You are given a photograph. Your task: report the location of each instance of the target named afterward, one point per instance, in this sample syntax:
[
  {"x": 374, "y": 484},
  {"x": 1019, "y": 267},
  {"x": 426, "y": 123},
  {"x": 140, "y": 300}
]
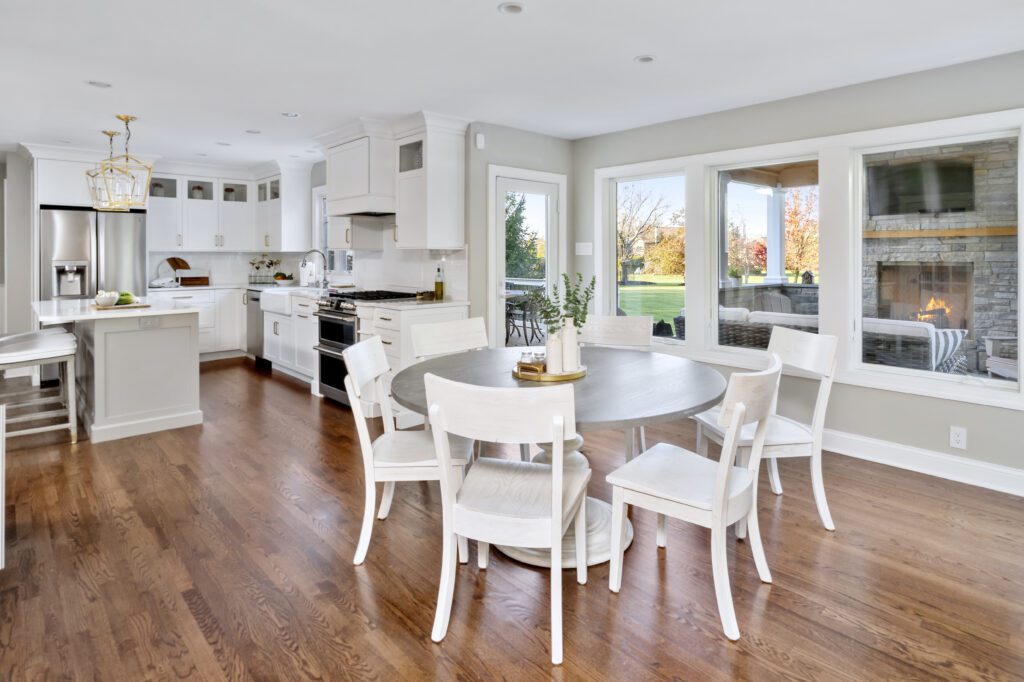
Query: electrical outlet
[{"x": 958, "y": 437}]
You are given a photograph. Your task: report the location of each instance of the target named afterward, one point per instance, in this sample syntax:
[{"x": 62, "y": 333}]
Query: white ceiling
[{"x": 198, "y": 72}]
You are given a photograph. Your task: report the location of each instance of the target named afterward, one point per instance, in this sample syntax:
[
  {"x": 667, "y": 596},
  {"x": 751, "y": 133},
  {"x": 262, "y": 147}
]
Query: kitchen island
[{"x": 137, "y": 368}]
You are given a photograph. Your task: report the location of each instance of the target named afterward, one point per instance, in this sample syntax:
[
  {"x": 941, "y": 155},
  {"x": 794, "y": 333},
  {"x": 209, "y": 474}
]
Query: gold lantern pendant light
[{"x": 119, "y": 183}]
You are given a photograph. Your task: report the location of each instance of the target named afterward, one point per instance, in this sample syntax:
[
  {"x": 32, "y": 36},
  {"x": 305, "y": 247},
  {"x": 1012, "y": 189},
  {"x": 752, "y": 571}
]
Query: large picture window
[
  {"x": 650, "y": 253},
  {"x": 768, "y": 271},
  {"x": 939, "y": 259}
]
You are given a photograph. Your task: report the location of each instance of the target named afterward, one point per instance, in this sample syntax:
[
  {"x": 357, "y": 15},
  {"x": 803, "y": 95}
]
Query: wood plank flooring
[{"x": 224, "y": 552}]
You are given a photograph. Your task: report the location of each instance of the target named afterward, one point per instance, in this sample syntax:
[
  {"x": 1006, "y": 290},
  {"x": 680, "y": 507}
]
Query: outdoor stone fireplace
[{"x": 966, "y": 261}]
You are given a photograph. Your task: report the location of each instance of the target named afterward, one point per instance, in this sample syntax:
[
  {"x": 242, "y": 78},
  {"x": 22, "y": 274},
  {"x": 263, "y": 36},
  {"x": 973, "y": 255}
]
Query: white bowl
[
  {"x": 107, "y": 298},
  {"x": 286, "y": 282}
]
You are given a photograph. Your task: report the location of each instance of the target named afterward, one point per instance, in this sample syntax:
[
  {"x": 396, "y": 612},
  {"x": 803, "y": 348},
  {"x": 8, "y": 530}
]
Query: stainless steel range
[{"x": 338, "y": 326}]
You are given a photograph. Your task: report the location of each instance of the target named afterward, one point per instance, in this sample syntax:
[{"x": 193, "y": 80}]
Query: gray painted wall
[
  {"x": 318, "y": 174},
  {"x": 994, "y": 435},
  {"x": 18, "y": 244},
  {"x": 503, "y": 147}
]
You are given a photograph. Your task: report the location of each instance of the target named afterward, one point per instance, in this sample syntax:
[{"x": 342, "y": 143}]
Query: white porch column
[{"x": 776, "y": 237}]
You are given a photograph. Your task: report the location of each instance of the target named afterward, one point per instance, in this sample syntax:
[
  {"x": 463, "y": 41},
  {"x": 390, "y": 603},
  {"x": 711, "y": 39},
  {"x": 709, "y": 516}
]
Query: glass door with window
[{"x": 527, "y": 258}]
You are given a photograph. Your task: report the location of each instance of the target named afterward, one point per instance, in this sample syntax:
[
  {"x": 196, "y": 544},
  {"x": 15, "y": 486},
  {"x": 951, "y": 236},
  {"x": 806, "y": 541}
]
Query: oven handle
[
  {"x": 335, "y": 317},
  {"x": 329, "y": 352}
]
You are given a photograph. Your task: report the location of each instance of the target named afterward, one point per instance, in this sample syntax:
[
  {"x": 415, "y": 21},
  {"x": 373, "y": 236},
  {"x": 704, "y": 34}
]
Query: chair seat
[
  {"x": 416, "y": 449},
  {"x": 678, "y": 475},
  {"x": 519, "y": 490},
  {"x": 780, "y": 431},
  {"x": 37, "y": 346}
]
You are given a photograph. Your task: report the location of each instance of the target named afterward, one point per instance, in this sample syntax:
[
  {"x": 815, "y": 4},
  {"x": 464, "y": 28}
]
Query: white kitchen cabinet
[
  {"x": 206, "y": 303},
  {"x": 201, "y": 215},
  {"x": 62, "y": 183},
  {"x": 430, "y": 186},
  {"x": 360, "y": 168},
  {"x": 279, "y": 339},
  {"x": 360, "y": 233},
  {"x": 236, "y": 227},
  {"x": 230, "y": 319},
  {"x": 164, "y": 214},
  {"x": 307, "y": 336},
  {"x": 283, "y": 211}
]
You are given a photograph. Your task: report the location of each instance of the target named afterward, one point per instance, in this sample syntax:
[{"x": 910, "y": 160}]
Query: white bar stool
[{"x": 46, "y": 347}]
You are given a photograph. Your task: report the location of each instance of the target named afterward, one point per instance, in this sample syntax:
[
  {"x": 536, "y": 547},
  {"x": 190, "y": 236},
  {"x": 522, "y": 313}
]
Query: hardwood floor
[{"x": 225, "y": 552}]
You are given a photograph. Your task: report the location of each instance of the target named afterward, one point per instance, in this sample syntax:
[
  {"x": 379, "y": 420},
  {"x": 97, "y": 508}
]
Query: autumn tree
[
  {"x": 524, "y": 256},
  {"x": 668, "y": 255},
  {"x": 639, "y": 211},
  {"x": 802, "y": 230}
]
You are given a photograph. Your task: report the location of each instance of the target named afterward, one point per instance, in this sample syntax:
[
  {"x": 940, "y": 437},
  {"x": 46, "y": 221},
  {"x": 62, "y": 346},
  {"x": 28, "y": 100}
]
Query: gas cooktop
[{"x": 376, "y": 295}]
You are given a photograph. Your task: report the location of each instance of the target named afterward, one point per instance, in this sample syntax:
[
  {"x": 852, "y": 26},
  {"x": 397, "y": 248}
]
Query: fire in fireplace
[{"x": 939, "y": 293}]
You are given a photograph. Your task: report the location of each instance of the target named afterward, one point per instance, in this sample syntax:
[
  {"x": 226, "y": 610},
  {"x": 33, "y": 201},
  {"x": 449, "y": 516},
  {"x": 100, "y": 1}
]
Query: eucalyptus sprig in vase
[{"x": 564, "y": 314}]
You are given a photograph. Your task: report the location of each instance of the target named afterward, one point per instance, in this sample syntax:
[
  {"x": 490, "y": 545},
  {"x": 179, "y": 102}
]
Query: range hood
[{"x": 360, "y": 169}]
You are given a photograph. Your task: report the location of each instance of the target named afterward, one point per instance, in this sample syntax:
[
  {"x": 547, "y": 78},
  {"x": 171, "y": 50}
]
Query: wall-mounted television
[{"x": 932, "y": 186}]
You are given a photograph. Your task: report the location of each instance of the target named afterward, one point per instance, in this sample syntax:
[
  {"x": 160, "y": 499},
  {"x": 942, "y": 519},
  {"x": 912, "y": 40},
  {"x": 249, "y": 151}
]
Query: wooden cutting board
[{"x": 126, "y": 306}]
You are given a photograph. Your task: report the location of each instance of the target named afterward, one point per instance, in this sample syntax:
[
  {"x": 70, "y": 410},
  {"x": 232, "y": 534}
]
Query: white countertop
[
  {"x": 83, "y": 310},
  {"x": 403, "y": 304}
]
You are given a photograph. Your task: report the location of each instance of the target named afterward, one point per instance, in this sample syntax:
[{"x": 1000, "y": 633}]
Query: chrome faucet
[{"x": 323, "y": 282}]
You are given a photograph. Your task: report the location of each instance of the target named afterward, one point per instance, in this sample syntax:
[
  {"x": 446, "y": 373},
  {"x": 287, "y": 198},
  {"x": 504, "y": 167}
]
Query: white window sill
[{"x": 973, "y": 390}]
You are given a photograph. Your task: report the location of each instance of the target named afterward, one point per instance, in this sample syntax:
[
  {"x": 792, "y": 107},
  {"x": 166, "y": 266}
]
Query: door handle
[
  {"x": 266, "y": 240},
  {"x": 305, "y": 317},
  {"x": 348, "y": 236},
  {"x": 245, "y": 298},
  {"x": 275, "y": 328},
  {"x": 394, "y": 234}
]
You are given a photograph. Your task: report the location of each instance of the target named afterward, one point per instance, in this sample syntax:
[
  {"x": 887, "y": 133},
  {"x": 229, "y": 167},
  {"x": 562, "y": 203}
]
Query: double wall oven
[{"x": 338, "y": 330}]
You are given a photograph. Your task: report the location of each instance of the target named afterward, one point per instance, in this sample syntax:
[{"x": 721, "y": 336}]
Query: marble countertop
[{"x": 83, "y": 310}]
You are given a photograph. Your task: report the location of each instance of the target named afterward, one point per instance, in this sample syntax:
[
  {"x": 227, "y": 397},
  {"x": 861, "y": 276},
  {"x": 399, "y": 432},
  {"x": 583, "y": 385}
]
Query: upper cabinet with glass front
[
  {"x": 430, "y": 188},
  {"x": 283, "y": 209},
  {"x": 163, "y": 214}
]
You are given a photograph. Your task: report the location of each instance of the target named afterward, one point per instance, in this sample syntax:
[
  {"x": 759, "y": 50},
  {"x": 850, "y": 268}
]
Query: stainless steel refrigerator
[{"x": 83, "y": 251}]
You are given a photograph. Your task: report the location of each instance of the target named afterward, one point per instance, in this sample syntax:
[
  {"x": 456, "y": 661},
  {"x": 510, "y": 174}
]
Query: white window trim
[{"x": 839, "y": 167}]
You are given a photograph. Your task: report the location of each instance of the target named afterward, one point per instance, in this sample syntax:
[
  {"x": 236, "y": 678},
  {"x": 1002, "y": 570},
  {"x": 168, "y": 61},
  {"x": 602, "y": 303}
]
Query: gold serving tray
[{"x": 544, "y": 376}]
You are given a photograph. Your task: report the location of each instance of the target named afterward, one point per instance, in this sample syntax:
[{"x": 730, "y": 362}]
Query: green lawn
[{"x": 661, "y": 301}]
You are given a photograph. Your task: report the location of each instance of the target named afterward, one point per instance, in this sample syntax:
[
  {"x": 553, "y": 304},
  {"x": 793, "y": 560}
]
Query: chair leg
[
  {"x": 773, "y": 476},
  {"x": 818, "y": 486},
  {"x": 756, "y": 548},
  {"x": 483, "y": 553},
  {"x": 385, "y": 500},
  {"x": 742, "y": 457},
  {"x": 661, "y": 538},
  {"x": 618, "y": 540},
  {"x": 72, "y": 398},
  {"x": 524, "y": 452},
  {"x": 581, "y": 543},
  {"x": 367, "y": 530},
  {"x": 463, "y": 544},
  {"x": 720, "y": 571},
  {"x": 446, "y": 588},
  {"x": 702, "y": 441},
  {"x": 556, "y": 602}
]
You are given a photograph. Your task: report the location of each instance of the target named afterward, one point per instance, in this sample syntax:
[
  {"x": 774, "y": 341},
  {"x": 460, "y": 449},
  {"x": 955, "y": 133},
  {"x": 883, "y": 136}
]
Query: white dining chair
[
  {"x": 505, "y": 502},
  {"x": 632, "y": 332},
  {"x": 805, "y": 355},
  {"x": 395, "y": 455},
  {"x": 48, "y": 346},
  {"x": 432, "y": 339},
  {"x": 675, "y": 482}
]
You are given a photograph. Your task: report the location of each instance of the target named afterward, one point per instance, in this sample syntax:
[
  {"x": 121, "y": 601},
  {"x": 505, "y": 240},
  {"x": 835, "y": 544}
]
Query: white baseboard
[
  {"x": 961, "y": 469},
  {"x": 101, "y": 434}
]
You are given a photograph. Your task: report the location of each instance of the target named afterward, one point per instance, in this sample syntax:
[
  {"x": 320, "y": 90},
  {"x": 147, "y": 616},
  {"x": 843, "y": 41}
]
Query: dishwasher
[{"x": 254, "y": 327}]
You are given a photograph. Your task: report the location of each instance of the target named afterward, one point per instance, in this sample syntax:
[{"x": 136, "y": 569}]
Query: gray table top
[{"x": 622, "y": 389}]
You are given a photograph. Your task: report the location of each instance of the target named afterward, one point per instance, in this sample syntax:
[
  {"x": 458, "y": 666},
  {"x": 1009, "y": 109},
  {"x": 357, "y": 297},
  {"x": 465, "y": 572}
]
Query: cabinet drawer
[
  {"x": 392, "y": 344},
  {"x": 385, "y": 319},
  {"x": 303, "y": 306}
]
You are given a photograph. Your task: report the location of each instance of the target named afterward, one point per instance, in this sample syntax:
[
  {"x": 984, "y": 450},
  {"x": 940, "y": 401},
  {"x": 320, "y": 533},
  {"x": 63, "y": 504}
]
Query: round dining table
[{"x": 622, "y": 390}]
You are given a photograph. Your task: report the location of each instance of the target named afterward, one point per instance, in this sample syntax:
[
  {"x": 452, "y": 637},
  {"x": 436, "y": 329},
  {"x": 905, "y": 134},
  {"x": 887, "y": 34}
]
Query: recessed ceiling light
[
  {"x": 291, "y": 114},
  {"x": 224, "y": 144},
  {"x": 253, "y": 131},
  {"x": 294, "y": 156},
  {"x": 98, "y": 84},
  {"x": 311, "y": 151},
  {"x": 511, "y": 8},
  {"x": 64, "y": 141},
  {"x": 644, "y": 59},
  {"x": 200, "y": 153}
]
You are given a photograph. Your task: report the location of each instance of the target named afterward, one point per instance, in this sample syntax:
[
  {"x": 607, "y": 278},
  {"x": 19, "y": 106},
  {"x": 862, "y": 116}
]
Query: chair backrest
[
  {"x": 545, "y": 414},
  {"x": 813, "y": 354},
  {"x": 367, "y": 367},
  {"x": 444, "y": 338},
  {"x": 804, "y": 351},
  {"x": 749, "y": 398},
  {"x": 628, "y": 331}
]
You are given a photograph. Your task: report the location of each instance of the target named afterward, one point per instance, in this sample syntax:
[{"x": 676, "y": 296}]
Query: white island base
[{"x": 138, "y": 370}]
